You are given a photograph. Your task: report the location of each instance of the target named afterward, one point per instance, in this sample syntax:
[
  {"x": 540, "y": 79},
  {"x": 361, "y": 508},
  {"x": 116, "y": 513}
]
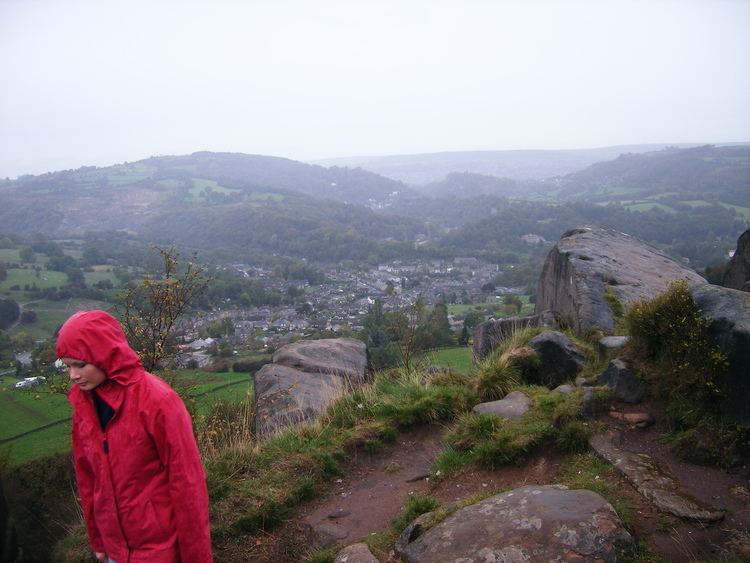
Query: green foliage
[
  {"x": 9, "y": 312},
  {"x": 416, "y": 505},
  {"x": 574, "y": 437},
  {"x": 670, "y": 333},
  {"x": 491, "y": 441},
  {"x": 496, "y": 377},
  {"x": 614, "y": 303}
]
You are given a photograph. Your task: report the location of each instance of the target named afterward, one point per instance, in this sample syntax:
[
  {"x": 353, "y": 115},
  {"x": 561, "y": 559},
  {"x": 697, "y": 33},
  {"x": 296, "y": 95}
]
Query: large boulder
[
  {"x": 588, "y": 263},
  {"x": 305, "y": 378},
  {"x": 533, "y": 523},
  {"x": 737, "y": 275},
  {"x": 345, "y": 357},
  {"x": 729, "y": 309},
  {"x": 559, "y": 359}
]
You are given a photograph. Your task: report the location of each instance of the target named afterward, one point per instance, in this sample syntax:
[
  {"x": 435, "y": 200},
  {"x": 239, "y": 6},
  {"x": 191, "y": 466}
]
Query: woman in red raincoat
[{"x": 139, "y": 473}]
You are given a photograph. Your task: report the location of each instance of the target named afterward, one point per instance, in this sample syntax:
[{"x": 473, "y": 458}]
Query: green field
[
  {"x": 266, "y": 196},
  {"x": 9, "y": 255},
  {"x": 23, "y": 277},
  {"x": 21, "y": 411},
  {"x": 495, "y": 307},
  {"x": 696, "y": 202},
  {"x": 648, "y": 206},
  {"x": 200, "y": 185},
  {"x": 457, "y": 358},
  {"x": 745, "y": 211},
  {"x": 51, "y": 314}
]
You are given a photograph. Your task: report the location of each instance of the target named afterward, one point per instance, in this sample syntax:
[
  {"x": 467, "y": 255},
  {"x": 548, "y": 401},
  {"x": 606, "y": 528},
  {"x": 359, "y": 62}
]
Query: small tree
[{"x": 150, "y": 309}]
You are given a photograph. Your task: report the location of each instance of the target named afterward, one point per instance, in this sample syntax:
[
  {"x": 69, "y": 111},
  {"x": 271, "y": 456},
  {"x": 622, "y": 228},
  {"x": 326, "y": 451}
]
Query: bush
[
  {"x": 670, "y": 334},
  {"x": 415, "y": 506}
]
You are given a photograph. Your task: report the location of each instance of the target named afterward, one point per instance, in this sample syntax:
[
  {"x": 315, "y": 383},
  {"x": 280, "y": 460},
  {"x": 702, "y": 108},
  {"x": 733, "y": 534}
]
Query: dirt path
[
  {"x": 375, "y": 487},
  {"x": 679, "y": 540}
]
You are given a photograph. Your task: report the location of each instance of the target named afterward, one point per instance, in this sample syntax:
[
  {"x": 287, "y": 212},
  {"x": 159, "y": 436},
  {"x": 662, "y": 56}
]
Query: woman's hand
[{"x": 100, "y": 556}]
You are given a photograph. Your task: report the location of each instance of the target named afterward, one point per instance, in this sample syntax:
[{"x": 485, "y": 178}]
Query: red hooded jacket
[{"x": 141, "y": 481}]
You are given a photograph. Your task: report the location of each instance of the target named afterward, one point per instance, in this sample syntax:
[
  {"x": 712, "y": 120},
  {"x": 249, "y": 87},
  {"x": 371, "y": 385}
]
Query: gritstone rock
[
  {"x": 355, "y": 553},
  {"x": 623, "y": 382},
  {"x": 534, "y": 523},
  {"x": 304, "y": 379},
  {"x": 587, "y": 262},
  {"x": 559, "y": 359},
  {"x": 729, "y": 309},
  {"x": 737, "y": 275},
  {"x": 513, "y": 406}
]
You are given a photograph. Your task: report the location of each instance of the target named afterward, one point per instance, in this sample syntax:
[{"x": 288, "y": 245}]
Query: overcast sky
[{"x": 101, "y": 82}]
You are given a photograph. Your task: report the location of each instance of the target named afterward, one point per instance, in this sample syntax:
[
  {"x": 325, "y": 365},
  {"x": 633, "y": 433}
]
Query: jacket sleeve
[
  {"x": 178, "y": 451},
  {"x": 85, "y": 480}
]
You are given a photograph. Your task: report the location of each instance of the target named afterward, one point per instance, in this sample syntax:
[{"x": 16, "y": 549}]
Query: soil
[{"x": 376, "y": 487}]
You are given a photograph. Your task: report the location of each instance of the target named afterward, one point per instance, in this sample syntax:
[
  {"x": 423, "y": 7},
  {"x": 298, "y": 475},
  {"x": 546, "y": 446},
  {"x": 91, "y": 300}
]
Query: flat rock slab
[
  {"x": 533, "y": 523},
  {"x": 653, "y": 482},
  {"x": 512, "y": 407},
  {"x": 345, "y": 357},
  {"x": 609, "y": 344}
]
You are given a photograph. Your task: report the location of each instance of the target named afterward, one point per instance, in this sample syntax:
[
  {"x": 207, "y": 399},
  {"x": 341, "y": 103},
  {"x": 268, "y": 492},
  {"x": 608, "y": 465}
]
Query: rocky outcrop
[
  {"x": 653, "y": 482},
  {"x": 534, "y": 523},
  {"x": 590, "y": 268},
  {"x": 737, "y": 275},
  {"x": 559, "y": 359},
  {"x": 489, "y": 334},
  {"x": 304, "y": 378},
  {"x": 729, "y": 309}
]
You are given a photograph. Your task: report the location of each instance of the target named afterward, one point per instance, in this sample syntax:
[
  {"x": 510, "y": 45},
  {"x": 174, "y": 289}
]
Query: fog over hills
[{"x": 426, "y": 168}]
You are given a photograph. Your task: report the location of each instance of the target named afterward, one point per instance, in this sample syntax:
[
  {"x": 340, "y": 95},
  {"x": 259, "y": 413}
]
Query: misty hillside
[
  {"x": 416, "y": 169},
  {"x": 694, "y": 176},
  {"x": 242, "y": 206}
]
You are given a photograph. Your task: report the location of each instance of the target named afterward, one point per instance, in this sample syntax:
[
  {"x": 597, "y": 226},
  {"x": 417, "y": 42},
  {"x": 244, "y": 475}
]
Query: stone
[
  {"x": 513, "y": 406},
  {"x": 566, "y": 389},
  {"x": 304, "y": 379},
  {"x": 737, "y": 275},
  {"x": 532, "y": 523},
  {"x": 588, "y": 262},
  {"x": 610, "y": 344},
  {"x": 588, "y": 406},
  {"x": 654, "y": 482},
  {"x": 624, "y": 384},
  {"x": 339, "y": 513},
  {"x": 639, "y": 419},
  {"x": 489, "y": 334},
  {"x": 559, "y": 359},
  {"x": 355, "y": 553},
  {"x": 729, "y": 309},
  {"x": 326, "y": 534},
  {"x": 345, "y": 357}
]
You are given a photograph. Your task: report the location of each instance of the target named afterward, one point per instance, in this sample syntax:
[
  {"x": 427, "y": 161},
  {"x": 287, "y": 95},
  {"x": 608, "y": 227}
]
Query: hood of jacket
[{"x": 96, "y": 337}]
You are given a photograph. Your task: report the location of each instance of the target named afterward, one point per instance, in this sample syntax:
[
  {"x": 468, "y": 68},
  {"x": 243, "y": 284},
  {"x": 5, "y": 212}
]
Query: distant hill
[
  {"x": 209, "y": 200},
  {"x": 694, "y": 176},
  {"x": 418, "y": 169}
]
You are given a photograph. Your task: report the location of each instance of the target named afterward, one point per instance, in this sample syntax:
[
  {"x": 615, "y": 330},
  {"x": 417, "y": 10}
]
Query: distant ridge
[{"x": 418, "y": 169}]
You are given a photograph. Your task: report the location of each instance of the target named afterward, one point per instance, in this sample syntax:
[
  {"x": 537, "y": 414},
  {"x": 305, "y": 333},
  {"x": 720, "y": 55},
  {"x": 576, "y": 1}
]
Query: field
[
  {"x": 495, "y": 307},
  {"x": 647, "y": 206},
  {"x": 199, "y": 186},
  {"x": 51, "y": 314},
  {"x": 457, "y": 358},
  {"x": 23, "y": 277},
  {"x": 21, "y": 411}
]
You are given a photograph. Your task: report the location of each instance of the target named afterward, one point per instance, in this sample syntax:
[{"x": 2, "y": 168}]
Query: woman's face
[{"x": 86, "y": 376}]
